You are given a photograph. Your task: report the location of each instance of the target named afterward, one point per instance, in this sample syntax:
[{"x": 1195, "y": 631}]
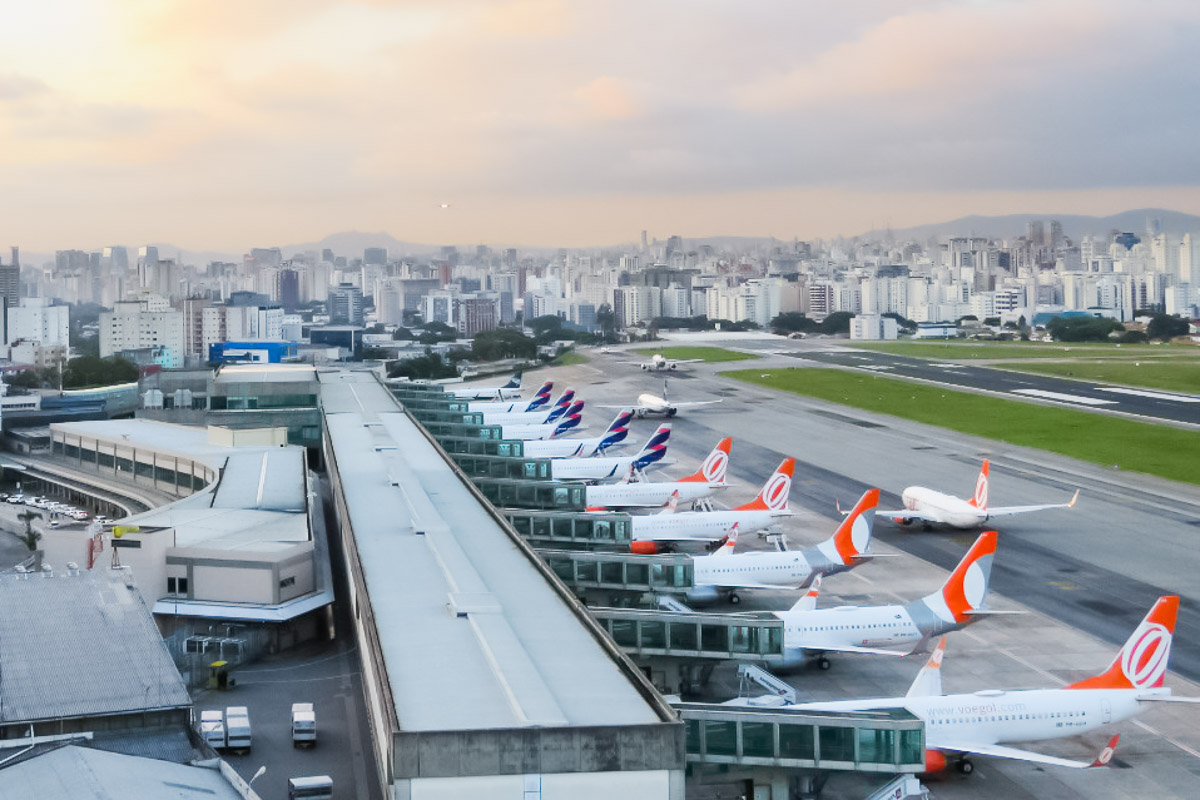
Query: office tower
[
  {"x": 288, "y": 289},
  {"x": 10, "y": 285},
  {"x": 375, "y": 255},
  {"x": 346, "y": 305}
]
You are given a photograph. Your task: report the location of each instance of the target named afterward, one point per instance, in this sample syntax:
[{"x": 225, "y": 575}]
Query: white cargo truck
[
  {"x": 304, "y": 725},
  {"x": 212, "y": 728},
  {"x": 237, "y": 728}
]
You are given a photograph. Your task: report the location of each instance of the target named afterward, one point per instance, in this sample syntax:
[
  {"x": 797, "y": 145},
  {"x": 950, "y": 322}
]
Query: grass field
[
  {"x": 1099, "y": 438},
  {"x": 1173, "y": 375},
  {"x": 711, "y": 354},
  {"x": 999, "y": 350},
  {"x": 569, "y": 359}
]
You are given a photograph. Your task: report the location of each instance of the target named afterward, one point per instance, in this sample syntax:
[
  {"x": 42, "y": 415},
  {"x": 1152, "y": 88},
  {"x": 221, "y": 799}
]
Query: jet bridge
[
  {"x": 425, "y": 416},
  {"x": 620, "y": 577},
  {"x": 482, "y": 447},
  {"x": 509, "y": 493},
  {"x": 485, "y": 466},
  {"x": 569, "y": 530},
  {"x": 441, "y": 430}
]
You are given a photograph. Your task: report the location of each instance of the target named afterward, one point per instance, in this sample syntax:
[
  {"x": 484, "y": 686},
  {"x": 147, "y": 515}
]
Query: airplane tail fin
[
  {"x": 655, "y": 447},
  {"x": 541, "y": 398},
  {"x": 928, "y": 682},
  {"x": 808, "y": 602},
  {"x": 514, "y": 382},
  {"x": 1142, "y": 662},
  {"x": 980, "y": 498},
  {"x": 965, "y": 590},
  {"x": 672, "y": 503},
  {"x": 572, "y": 420},
  {"x": 714, "y": 466},
  {"x": 853, "y": 536},
  {"x": 774, "y": 495},
  {"x": 562, "y": 405},
  {"x": 617, "y": 431},
  {"x": 730, "y": 544}
]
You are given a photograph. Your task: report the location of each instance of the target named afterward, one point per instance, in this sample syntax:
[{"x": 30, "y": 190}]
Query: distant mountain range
[{"x": 1076, "y": 226}]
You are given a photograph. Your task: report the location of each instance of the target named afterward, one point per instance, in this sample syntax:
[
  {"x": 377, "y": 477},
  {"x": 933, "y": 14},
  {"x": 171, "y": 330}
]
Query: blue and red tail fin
[
  {"x": 561, "y": 405},
  {"x": 617, "y": 431},
  {"x": 541, "y": 398},
  {"x": 513, "y": 383},
  {"x": 655, "y": 448},
  {"x": 572, "y": 420}
]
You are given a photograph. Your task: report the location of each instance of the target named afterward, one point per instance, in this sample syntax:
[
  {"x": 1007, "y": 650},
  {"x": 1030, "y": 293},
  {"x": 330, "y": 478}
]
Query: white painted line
[
  {"x": 1178, "y": 398},
  {"x": 1065, "y": 398}
]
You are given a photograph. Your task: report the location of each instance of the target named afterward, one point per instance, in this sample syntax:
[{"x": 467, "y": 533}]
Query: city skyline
[{"x": 545, "y": 123}]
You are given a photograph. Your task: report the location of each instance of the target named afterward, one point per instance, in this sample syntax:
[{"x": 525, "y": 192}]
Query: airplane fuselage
[
  {"x": 653, "y": 404},
  {"x": 700, "y": 526},
  {"x": 943, "y": 508},
  {"x": 828, "y": 628},
  {"x": 994, "y": 716},
  {"x": 487, "y": 393},
  {"x": 517, "y": 417},
  {"x": 648, "y": 495},
  {"x": 591, "y": 469},
  {"x": 529, "y": 432},
  {"x": 565, "y": 448}
]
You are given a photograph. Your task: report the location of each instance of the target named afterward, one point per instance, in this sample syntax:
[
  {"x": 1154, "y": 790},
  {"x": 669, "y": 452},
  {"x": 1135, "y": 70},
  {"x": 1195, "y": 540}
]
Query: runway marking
[
  {"x": 1064, "y": 398},
  {"x": 1162, "y": 735},
  {"x": 1178, "y": 398}
]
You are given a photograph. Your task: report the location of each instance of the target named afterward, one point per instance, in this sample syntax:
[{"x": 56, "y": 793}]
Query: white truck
[
  {"x": 304, "y": 725},
  {"x": 212, "y": 728},
  {"x": 237, "y": 728}
]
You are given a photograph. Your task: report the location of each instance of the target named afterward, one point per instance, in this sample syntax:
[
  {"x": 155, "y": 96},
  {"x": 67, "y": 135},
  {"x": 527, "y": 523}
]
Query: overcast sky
[{"x": 223, "y": 124}]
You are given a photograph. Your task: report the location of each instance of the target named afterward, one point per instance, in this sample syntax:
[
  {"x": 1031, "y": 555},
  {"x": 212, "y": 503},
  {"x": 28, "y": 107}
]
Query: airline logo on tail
[
  {"x": 561, "y": 406},
  {"x": 617, "y": 431},
  {"x": 966, "y": 588},
  {"x": 655, "y": 449},
  {"x": 1142, "y": 662},
  {"x": 730, "y": 542},
  {"x": 714, "y": 466},
  {"x": 541, "y": 398},
  {"x": 980, "y": 499},
  {"x": 513, "y": 383},
  {"x": 574, "y": 417},
  {"x": 774, "y": 496},
  {"x": 853, "y": 536}
]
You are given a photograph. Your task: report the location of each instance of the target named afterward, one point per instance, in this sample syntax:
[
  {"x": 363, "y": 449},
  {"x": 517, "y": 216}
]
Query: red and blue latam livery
[
  {"x": 546, "y": 430},
  {"x": 614, "y": 436},
  {"x": 605, "y": 467},
  {"x": 983, "y": 723},
  {"x": 660, "y": 532},
  {"x": 509, "y": 391},
  {"x": 540, "y": 399},
  {"x": 725, "y": 572},
  {"x": 872, "y": 630},
  {"x": 934, "y": 507},
  {"x": 647, "y": 494},
  {"x": 535, "y": 417}
]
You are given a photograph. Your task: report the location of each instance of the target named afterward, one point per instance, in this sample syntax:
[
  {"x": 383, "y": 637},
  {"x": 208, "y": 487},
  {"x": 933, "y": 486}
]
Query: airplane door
[{"x": 1105, "y": 711}]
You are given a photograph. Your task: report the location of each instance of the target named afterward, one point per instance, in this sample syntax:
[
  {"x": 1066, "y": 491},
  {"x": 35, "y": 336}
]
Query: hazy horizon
[{"x": 550, "y": 123}]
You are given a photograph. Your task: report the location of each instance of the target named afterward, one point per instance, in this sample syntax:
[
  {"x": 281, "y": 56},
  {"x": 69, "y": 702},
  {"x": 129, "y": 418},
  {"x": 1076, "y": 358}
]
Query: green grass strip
[
  {"x": 972, "y": 350},
  {"x": 569, "y": 359},
  {"x": 1103, "y": 439},
  {"x": 710, "y": 354},
  {"x": 1171, "y": 375}
]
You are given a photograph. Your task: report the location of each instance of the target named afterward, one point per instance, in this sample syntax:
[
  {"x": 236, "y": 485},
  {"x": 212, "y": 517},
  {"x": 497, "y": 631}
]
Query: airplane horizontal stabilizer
[
  {"x": 1168, "y": 698},
  {"x": 990, "y": 612}
]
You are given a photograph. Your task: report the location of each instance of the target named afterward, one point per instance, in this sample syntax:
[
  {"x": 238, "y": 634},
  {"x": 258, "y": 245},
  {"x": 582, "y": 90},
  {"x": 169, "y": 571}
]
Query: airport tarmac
[{"x": 1085, "y": 576}]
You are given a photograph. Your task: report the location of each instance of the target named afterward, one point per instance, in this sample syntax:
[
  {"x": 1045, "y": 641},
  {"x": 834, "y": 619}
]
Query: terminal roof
[{"x": 74, "y": 772}]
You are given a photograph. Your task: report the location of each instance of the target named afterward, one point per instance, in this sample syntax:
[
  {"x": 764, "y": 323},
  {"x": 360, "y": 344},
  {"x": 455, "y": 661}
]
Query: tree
[
  {"x": 96, "y": 371},
  {"x": 1165, "y": 326},
  {"x": 30, "y": 537},
  {"x": 427, "y": 367},
  {"x": 793, "y": 322},
  {"x": 546, "y": 328},
  {"x": 606, "y": 319},
  {"x": 837, "y": 322},
  {"x": 994, "y": 321},
  {"x": 501, "y": 343},
  {"x": 402, "y": 334},
  {"x": 27, "y": 379},
  {"x": 1083, "y": 329},
  {"x": 902, "y": 321},
  {"x": 1133, "y": 337}
]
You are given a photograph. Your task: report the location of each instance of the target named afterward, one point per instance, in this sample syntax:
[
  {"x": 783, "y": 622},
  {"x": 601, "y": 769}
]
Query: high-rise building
[
  {"x": 477, "y": 313},
  {"x": 144, "y": 324},
  {"x": 288, "y": 289},
  {"x": 36, "y": 321},
  {"x": 10, "y": 285},
  {"x": 346, "y": 305},
  {"x": 375, "y": 255}
]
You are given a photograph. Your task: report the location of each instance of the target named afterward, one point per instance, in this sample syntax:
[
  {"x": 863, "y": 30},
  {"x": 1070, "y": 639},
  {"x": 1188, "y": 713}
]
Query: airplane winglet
[
  {"x": 1105, "y": 756},
  {"x": 1074, "y": 500}
]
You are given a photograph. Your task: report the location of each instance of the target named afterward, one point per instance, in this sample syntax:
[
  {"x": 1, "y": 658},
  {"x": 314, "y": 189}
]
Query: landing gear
[
  {"x": 927, "y": 526},
  {"x": 735, "y": 598},
  {"x": 823, "y": 663},
  {"x": 965, "y": 766}
]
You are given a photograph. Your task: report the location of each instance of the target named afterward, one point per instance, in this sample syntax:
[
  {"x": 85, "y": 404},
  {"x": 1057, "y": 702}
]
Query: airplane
[
  {"x": 662, "y": 532},
  {"x": 645, "y": 494},
  {"x": 601, "y": 467},
  {"x": 614, "y": 436},
  {"x": 871, "y": 630},
  {"x": 509, "y": 391},
  {"x": 934, "y": 507},
  {"x": 648, "y": 404},
  {"x": 546, "y": 430},
  {"x": 539, "y": 399},
  {"x": 538, "y": 415},
  {"x": 984, "y": 722},
  {"x": 658, "y": 362},
  {"x": 724, "y": 572}
]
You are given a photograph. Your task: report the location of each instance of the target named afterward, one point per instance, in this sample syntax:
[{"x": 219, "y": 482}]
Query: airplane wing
[
  {"x": 1004, "y": 511},
  {"x": 1000, "y": 751},
  {"x": 849, "y": 648},
  {"x": 696, "y": 403}
]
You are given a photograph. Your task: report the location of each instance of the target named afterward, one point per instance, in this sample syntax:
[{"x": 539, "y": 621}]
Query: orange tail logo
[
  {"x": 980, "y": 500},
  {"x": 1142, "y": 662},
  {"x": 714, "y": 466},
  {"x": 853, "y": 536},
  {"x": 967, "y": 586},
  {"x": 774, "y": 496}
]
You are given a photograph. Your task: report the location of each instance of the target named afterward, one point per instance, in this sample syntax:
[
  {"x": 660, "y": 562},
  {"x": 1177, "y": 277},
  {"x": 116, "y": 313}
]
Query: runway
[{"x": 1093, "y": 571}]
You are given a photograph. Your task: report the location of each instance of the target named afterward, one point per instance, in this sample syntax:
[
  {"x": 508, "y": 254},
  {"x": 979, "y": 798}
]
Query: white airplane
[
  {"x": 724, "y": 572},
  {"x": 537, "y": 416},
  {"x": 645, "y": 494},
  {"x": 659, "y": 362},
  {"x": 549, "y": 430},
  {"x": 540, "y": 399},
  {"x": 661, "y": 532},
  {"x": 509, "y": 391},
  {"x": 648, "y": 404},
  {"x": 934, "y": 507},
  {"x": 871, "y": 630},
  {"x": 983, "y": 723},
  {"x": 613, "y": 436},
  {"x": 602, "y": 467}
]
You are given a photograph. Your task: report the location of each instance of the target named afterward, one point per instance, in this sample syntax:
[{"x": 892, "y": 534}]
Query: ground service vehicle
[
  {"x": 237, "y": 728},
  {"x": 304, "y": 725},
  {"x": 314, "y": 787},
  {"x": 212, "y": 728}
]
